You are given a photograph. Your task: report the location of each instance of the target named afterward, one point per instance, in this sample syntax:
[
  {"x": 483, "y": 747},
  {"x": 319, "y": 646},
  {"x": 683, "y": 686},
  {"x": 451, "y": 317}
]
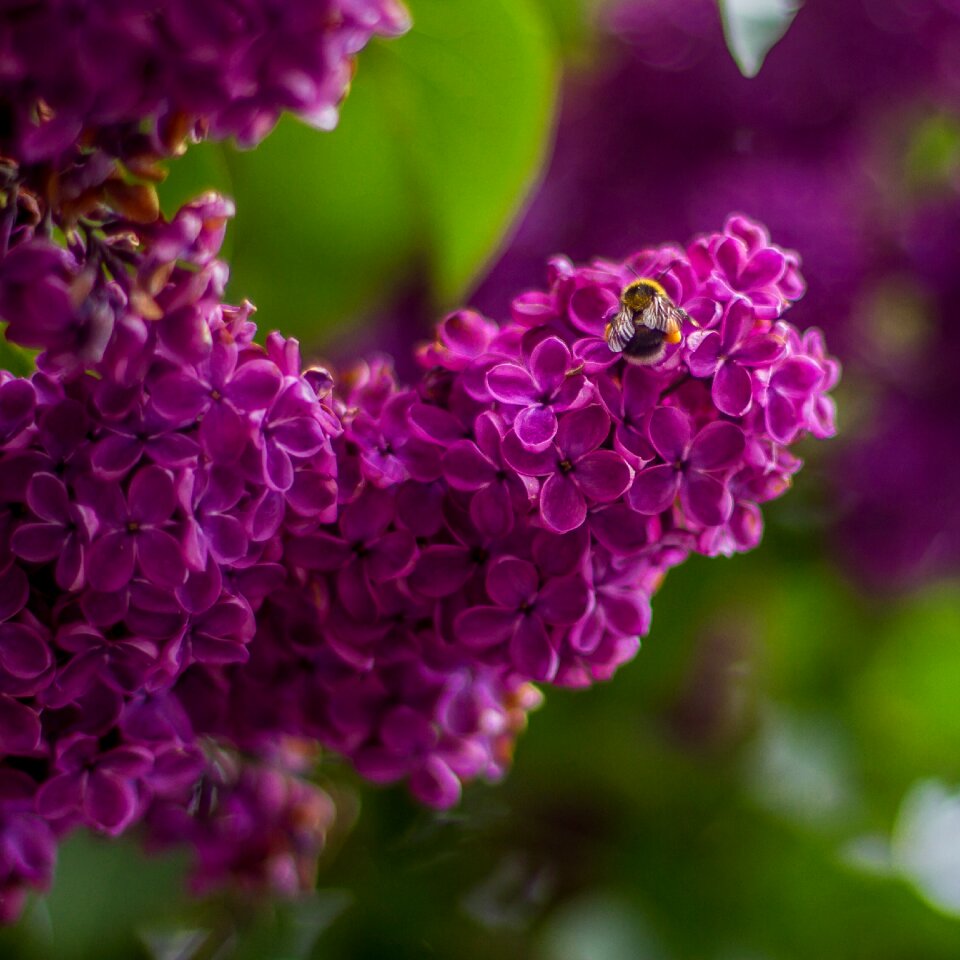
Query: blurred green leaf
[
  {"x": 105, "y": 889},
  {"x": 752, "y": 27},
  {"x": 905, "y": 700},
  {"x": 15, "y": 359},
  {"x": 933, "y": 153},
  {"x": 440, "y": 140}
]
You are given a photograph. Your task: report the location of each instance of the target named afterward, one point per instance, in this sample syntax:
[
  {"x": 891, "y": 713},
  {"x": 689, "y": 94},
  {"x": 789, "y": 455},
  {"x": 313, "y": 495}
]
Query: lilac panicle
[
  {"x": 149, "y": 472},
  {"x": 144, "y": 75},
  {"x": 210, "y": 555},
  {"x": 507, "y": 519}
]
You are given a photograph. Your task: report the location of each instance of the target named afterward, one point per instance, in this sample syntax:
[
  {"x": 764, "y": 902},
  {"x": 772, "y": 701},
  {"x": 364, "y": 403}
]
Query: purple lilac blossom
[
  {"x": 143, "y": 519},
  {"x": 209, "y": 551},
  {"x": 146, "y": 74},
  {"x": 818, "y": 146}
]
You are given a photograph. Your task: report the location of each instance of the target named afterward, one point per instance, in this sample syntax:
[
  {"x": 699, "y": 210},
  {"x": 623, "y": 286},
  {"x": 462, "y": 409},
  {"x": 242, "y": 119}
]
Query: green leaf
[
  {"x": 439, "y": 142},
  {"x": 15, "y": 359},
  {"x": 752, "y": 27}
]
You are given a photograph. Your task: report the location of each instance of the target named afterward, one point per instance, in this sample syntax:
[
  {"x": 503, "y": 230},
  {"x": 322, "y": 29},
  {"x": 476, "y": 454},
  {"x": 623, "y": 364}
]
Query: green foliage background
[{"x": 711, "y": 801}]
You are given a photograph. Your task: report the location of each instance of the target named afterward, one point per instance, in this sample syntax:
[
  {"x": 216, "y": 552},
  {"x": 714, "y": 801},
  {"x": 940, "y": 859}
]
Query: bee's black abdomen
[{"x": 646, "y": 346}]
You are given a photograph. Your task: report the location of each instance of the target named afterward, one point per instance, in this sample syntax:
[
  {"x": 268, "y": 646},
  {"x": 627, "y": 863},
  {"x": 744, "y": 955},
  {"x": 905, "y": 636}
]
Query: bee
[{"x": 646, "y": 322}]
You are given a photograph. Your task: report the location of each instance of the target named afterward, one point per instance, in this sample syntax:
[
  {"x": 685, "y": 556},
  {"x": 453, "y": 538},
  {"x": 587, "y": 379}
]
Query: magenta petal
[
  {"x": 441, "y": 570},
  {"x": 179, "y": 397},
  {"x": 737, "y": 323},
  {"x": 603, "y": 475},
  {"x": 536, "y": 426},
  {"x": 717, "y": 446},
  {"x": 588, "y": 307},
  {"x": 510, "y": 383},
  {"x": 641, "y": 389},
  {"x": 562, "y": 505},
  {"x": 110, "y": 562},
  {"x": 483, "y": 627},
  {"x": 492, "y": 511},
  {"x": 705, "y": 499},
  {"x": 22, "y": 653},
  {"x": 782, "y": 418},
  {"x": 760, "y": 351},
  {"x": 763, "y": 268},
  {"x": 627, "y": 613},
  {"x": 654, "y": 489},
  {"x": 69, "y": 569},
  {"x": 732, "y": 390},
  {"x": 38, "y": 542},
  {"x": 152, "y": 497},
  {"x": 19, "y": 727},
  {"x": 223, "y": 433},
  {"x": 669, "y": 431},
  {"x": 47, "y": 497},
  {"x": 391, "y": 556},
  {"x": 109, "y": 802},
  {"x": 115, "y": 454},
  {"x": 60, "y": 795},
  {"x": 301, "y": 436},
  {"x": 465, "y": 467},
  {"x": 226, "y": 537},
  {"x": 594, "y": 354},
  {"x": 549, "y": 362},
  {"x": 583, "y": 430},
  {"x": 435, "y": 784},
  {"x": 564, "y": 600},
  {"x": 254, "y": 386},
  {"x": 512, "y": 582},
  {"x": 161, "y": 558},
  {"x": 531, "y": 652},
  {"x": 797, "y": 377},
  {"x": 14, "y": 590},
  {"x": 705, "y": 352},
  {"x": 277, "y": 466},
  {"x": 528, "y": 462},
  {"x": 435, "y": 424},
  {"x": 201, "y": 589},
  {"x": 620, "y": 529}
]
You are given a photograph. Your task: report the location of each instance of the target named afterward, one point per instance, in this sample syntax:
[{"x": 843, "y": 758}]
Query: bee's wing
[
  {"x": 665, "y": 316},
  {"x": 620, "y": 330}
]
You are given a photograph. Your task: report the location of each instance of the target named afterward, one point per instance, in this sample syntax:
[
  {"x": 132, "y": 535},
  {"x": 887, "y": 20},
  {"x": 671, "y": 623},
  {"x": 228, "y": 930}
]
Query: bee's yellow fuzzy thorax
[{"x": 638, "y": 293}]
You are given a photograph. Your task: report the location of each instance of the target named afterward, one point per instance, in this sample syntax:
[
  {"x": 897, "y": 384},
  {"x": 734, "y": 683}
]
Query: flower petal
[
  {"x": 562, "y": 505},
  {"x": 536, "y": 426},
  {"x": 669, "y": 431},
  {"x": 732, "y": 390},
  {"x": 602, "y": 475},
  {"x": 531, "y": 652},
  {"x": 582, "y": 431},
  {"x": 512, "y": 582},
  {"x": 482, "y": 627},
  {"x": 654, "y": 489},
  {"x": 705, "y": 499},
  {"x": 510, "y": 383}
]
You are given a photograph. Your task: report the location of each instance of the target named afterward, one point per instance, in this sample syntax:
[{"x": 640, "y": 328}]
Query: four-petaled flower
[
  {"x": 575, "y": 469},
  {"x": 690, "y": 467}
]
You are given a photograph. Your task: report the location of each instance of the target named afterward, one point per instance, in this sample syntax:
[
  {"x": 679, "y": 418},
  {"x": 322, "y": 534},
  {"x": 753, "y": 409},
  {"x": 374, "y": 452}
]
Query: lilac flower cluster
[
  {"x": 507, "y": 520},
  {"x": 148, "y": 472},
  {"x": 207, "y": 554},
  {"x": 144, "y": 75}
]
